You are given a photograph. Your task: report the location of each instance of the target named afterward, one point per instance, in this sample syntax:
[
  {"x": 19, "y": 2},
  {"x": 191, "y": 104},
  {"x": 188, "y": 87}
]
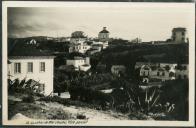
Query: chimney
[{"x": 104, "y": 28}]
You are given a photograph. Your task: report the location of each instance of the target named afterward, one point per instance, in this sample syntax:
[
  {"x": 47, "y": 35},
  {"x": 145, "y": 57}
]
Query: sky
[{"x": 150, "y": 23}]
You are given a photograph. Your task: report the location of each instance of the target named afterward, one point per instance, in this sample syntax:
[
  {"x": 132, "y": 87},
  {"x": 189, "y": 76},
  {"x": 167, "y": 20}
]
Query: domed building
[
  {"x": 104, "y": 35},
  {"x": 78, "y": 42},
  {"x": 78, "y": 37}
]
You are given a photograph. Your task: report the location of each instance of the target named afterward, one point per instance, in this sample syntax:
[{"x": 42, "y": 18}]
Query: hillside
[{"x": 18, "y": 109}]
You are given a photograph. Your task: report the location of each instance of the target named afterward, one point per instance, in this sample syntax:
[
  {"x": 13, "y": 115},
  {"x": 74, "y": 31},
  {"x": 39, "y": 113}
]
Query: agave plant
[{"x": 150, "y": 100}]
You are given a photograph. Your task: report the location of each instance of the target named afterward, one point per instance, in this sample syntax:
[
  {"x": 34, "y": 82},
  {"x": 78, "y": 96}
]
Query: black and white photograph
[{"x": 82, "y": 63}]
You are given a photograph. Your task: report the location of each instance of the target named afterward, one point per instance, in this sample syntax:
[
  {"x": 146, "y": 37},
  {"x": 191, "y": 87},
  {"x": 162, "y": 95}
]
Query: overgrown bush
[
  {"x": 80, "y": 116},
  {"x": 28, "y": 99},
  {"x": 58, "y": 114},
  {"x": 24, "y": 86},
  {"x": 88, "y": 95},
  {"x": 54, "y": 99},
  {"x": 176, "y": 92}
]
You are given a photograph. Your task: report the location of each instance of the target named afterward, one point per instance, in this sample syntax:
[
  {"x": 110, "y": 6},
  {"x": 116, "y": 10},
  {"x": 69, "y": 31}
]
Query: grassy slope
[{"x": 54, "y": 110}]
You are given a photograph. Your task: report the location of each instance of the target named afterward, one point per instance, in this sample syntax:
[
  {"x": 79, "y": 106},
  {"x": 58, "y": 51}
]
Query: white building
[
  {"x": 179, "y": 35},
  {"x": 80, "y": 63},
  {"x": 25, "y": 61}
]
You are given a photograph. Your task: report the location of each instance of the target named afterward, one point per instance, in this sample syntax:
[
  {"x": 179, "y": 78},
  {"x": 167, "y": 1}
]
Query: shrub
[
  {"x": 23, "y": 86},
  {"x": 28, "y": 99},
  {"x": 88, "y": 95},
  {"x": 54, "y": 99},
  {"x": 81, "y": 116},
  {"x": 176, "y": 92},
  {"x": 147, "y": 102},
  {"x": 58, "y": 114}
]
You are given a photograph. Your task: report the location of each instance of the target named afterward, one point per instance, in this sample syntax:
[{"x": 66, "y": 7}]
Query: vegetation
[
  {"x": 176, "y": 92},
  {"x": 170, "y": 102}
]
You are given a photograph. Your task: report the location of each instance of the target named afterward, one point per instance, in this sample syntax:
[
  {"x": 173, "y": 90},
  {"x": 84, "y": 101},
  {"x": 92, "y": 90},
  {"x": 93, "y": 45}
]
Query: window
[
  {"x": 182, "y": 39},
  {"x": 143, "y": 73},
  {"x": 183, "y": 33},
  {"x": 158, "y": 73},
  {"x": 163, "y": 73},
  {"x": 29, "y": 67},
  {"x": 17, "y": 68},
  {"x": 41, "y": 88},
  {"x": 42, "y": 66}
]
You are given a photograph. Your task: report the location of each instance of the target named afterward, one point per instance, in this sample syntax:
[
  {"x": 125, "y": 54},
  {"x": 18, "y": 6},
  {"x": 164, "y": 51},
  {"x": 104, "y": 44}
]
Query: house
[
  {"x": 118, "y": 69},
  {"x": 26, "y": 61},
  {"x": 162, "y": 71},
  {"x": 80, "y": 63},
  {"x": 179, "y": 35}
]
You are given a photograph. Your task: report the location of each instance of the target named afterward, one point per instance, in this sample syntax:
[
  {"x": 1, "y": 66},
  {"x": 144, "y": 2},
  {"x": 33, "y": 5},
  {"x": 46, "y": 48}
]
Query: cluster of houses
[
  {"x": 80, "y": 43},
  {"x": 150, "y": 71},
  {"x": 162, "y": 71},
  {"x": 26, "y": 61}
]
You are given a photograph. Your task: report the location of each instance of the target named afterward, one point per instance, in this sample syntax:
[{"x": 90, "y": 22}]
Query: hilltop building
[
  {"x": 26, "y": 61},
  {"x": 179, "y": 35},
  {"x": 103, "y": 35},
  {"x": 78, "y": 42},
  {"x": 78, "y": 37}
]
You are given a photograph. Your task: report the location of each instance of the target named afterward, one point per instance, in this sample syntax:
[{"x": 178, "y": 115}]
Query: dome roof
[
  {"x": 78, "y": 34},
  {"x": 104, "y": 30}
]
